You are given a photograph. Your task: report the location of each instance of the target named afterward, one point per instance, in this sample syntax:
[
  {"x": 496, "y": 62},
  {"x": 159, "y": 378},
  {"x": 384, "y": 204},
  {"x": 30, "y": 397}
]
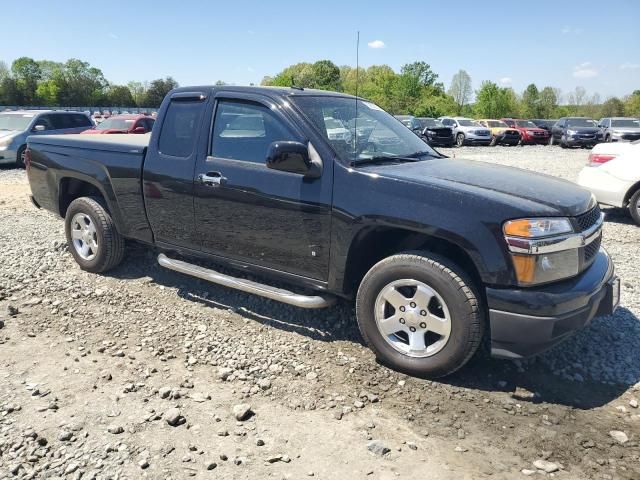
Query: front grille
[
  {"x": 589, "y": 219},
  {"x": 540, "y": 134},
  {"x": 591, "y": 249}
]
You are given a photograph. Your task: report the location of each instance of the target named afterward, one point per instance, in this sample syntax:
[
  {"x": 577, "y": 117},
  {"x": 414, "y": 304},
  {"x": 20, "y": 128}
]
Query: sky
[{"x": 564, "y": 44}]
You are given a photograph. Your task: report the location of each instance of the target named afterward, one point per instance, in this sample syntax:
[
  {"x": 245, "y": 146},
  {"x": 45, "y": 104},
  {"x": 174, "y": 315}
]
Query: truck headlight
[
  {"x": 537, "y": 227},
  {"x": 572, "y": 132},
  {"x": 542, "y": 250}
]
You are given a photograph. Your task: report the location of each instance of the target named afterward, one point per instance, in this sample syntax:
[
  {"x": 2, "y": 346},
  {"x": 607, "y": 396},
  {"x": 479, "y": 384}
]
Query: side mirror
[
  {"x": 39, "y": 128},
  {"x": 139, "y": 130},
  {"x": 293, "y": 157}
]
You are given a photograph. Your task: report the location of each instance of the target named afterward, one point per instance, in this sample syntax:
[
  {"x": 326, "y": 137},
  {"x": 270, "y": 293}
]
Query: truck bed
[{"x": 110, "y": 163}]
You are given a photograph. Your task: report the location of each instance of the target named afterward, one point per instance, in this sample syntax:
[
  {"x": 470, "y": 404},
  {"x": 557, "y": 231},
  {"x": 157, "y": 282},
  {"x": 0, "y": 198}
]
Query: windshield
[
  {"x": 525, "y": 124},
  {"x": 374, "y": 134},
  {"x": 12, "y": 121},
  {"x": 116, "y": 124},
  {"x": 580, "y": 122},
  {"x": 627, "y": 122},
  {"x": 496, "y": 124},
  {"x": 430, "y": 122},
  {"x": 469, "y": 123}
]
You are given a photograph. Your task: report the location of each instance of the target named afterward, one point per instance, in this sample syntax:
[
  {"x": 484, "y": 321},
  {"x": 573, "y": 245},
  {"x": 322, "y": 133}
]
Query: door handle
[{"x": 212, "y": 179}]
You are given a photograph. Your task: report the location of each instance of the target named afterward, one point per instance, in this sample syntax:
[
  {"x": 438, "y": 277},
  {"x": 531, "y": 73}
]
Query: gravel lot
[{"x": 144, "y": 373}]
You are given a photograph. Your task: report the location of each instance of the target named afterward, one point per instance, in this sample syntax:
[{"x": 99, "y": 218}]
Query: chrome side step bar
[{"x": 278, "y": 294}]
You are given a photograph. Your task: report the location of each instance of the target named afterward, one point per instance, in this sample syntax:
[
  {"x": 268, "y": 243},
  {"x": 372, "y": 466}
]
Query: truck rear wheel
[
  {"x": 91, "y": 234},
  {"x": 420, "y": 314}
]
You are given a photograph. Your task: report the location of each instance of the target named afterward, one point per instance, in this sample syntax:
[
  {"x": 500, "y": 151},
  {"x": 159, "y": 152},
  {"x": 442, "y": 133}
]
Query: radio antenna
[{"x": 355, "y": 122}]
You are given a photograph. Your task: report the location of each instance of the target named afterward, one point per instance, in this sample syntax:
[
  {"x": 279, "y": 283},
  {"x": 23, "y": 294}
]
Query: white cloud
[
  {"x": 585, "y": 70},
  {"x": 629, "y": 66},
  {"x": 505, "y": 81},
  {"x": 113, "y": 35},
  {"x": 376, "y": 44},
  {"x": 566, "y": 30}
]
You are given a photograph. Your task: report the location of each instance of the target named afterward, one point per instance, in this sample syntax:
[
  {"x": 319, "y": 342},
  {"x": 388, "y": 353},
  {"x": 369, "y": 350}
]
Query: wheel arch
[
  {"x": 73, "y": 187},
  {"x": 372, "y": 244},
  {"x": 630, "y": 193}
]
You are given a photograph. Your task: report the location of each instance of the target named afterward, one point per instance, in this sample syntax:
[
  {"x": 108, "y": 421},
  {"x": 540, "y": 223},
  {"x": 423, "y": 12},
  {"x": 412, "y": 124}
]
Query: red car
[
  {"x": 123, "y": 124},
  {"x": 530, "y": 134}
]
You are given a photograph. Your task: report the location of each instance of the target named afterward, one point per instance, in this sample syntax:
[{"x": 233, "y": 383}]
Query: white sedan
[{"x": 613, "y": 175}]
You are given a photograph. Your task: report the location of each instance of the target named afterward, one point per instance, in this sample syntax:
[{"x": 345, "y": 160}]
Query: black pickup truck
[{"x": 438, "y": 253}]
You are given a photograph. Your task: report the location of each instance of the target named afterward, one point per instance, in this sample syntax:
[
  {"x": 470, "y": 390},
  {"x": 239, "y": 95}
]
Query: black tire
[
  {"x": 607, "y": 139},
  {"x": 551, "y": 140},
  {"x": 563, "y": 144},
  {"x": 20, "y": 156},
  {"x": 110, "y": 244},
  {"x": 460, "y": 140},
  {"x": 494, "y": 141},
  {"x": 634, "y": 207},
  {"x": 459, "y": 295}
]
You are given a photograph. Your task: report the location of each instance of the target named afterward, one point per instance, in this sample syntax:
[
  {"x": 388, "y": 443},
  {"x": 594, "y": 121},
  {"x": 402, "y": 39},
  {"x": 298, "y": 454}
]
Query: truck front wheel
[
  {"x": 91, "y": 234},
  {"x": 420, "y": 314}
]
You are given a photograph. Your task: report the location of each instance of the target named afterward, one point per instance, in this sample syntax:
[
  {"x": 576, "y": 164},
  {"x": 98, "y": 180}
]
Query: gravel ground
[{"x": 144, "y": 373}]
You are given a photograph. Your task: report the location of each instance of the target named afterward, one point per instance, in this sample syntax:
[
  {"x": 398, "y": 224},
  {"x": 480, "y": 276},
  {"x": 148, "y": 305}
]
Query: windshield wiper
[{"x": 412, "y": 157}]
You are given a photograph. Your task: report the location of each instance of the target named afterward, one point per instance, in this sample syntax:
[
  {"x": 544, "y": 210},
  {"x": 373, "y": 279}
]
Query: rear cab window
[{"x": 180, "y": 127}]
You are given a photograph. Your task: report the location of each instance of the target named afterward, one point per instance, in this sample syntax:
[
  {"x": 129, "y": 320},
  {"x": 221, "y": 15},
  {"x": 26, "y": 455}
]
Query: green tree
[
  {"x": 531, "y": 101},
  {"x": 548, "y": 102},
  {"x": 80, "y": 84},
  {"x": 493, "y": 101},
  {"x": 422, "y": 72},
  {"x": 137, "y": 90},
  {"x": 120, "y": 96},
  {"x": 48, "y": 93},
  {"x": 632, "y": 104},
  {"x": 10, "y": 93},
  {"x": 27, "y": 74},
  {"x": 326, "y": 75},
  {"x": 4, "y": 71},
  {"x": 157, "y": 90},
  {"x": 300, "y": 75},
  {"x": 461, "y": 90},
  {"x": 612, "y": 107}
]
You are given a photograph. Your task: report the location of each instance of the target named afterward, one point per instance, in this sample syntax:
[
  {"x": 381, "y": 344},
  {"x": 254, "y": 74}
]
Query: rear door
[
  {"x": 168, "y": 171},
  {"x": 254, "y": 214}
]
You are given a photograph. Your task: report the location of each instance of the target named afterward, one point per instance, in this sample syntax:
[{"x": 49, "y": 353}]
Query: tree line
[
  {"x": 415, "y": 90},
  {"x": 28, "y": 82}
]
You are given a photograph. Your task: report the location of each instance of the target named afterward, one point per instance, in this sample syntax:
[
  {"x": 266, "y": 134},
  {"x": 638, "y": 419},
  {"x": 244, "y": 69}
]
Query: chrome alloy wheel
[
  {"x": 84, "y": 236},
  {"x": 413, "y": 318}
]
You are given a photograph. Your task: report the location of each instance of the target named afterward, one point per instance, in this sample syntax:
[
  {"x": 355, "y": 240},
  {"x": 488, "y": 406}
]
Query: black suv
[{"x": 575, "y": 132}]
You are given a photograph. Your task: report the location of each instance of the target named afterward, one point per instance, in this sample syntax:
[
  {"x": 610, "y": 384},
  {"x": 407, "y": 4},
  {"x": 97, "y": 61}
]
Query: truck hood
[
  {"x": 538, "y": 193},
  {"x": 8, "y": 133}
]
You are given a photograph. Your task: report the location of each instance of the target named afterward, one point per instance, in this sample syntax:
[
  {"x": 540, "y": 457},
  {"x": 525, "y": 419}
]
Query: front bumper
[
  {"x": 582, "y": 142},
  {"x": 535, "y": 139},
  {"x": 502, "y": 138},
  {"x": 528, "y": 321},
  {"x": 441, "y": 141},
  {"x": 472, "y": 139}
]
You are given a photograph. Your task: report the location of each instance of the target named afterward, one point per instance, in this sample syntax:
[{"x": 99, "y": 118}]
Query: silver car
[
  {"x": 620, "y": 129},
  {"x": 16, "y": 126},
  {"x": 467, "y": 131}
]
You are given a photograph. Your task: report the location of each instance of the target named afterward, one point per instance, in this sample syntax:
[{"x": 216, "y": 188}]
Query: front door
[{"x": 247, "y": 212}]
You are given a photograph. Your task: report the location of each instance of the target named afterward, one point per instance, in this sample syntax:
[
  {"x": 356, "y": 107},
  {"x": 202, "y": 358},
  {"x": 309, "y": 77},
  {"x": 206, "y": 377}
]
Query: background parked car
[
  {"x": 123, "y": 124},
  {"x": 467, "y": 131},
  {"x": 613, "y": 175},
  {"x": 545, "y": 123},
  {"x": 530, "y": 133},
  {"x": 575, "y": 132},
  {"x": 16, "y": 126},
  {"x": 336, "y": 129},
  {"x": 619, "y": 129},
  {"x": 501, "y": 133},
  {"x": 410, "y": 122},
  {"x": 435, "y": 133}
]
